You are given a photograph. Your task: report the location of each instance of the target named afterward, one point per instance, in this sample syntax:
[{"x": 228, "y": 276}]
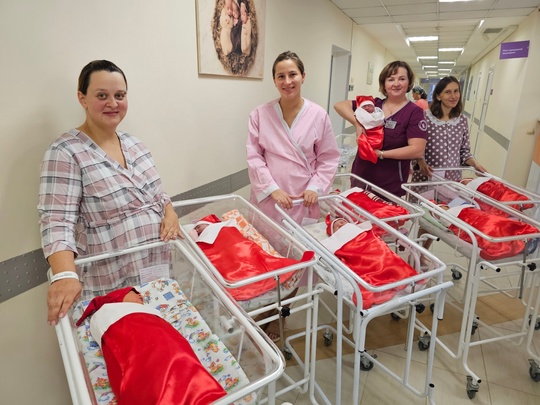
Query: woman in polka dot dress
[{"x": 448, "y": 143}]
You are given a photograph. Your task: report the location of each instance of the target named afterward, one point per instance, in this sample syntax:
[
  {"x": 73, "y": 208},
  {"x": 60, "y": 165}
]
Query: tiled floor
[{"x": 502, "y": 366}]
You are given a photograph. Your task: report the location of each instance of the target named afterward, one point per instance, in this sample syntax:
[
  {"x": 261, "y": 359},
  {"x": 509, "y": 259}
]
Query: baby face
[
  {"x": 235, "y": 10},
  {"x": 243, "y": 13},
  {"x": 338, "y": 223},
  {"x": 134, "y": 297},
  {"x": 228, "y": 7},
  {"x": 199, "y": 228},
  {"x": 370, "y": 108}
]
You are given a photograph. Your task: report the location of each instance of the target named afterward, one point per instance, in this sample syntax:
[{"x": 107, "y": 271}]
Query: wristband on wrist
[
  {"x": 63, "y": 275},
  {"x": 381, "y": 156}
]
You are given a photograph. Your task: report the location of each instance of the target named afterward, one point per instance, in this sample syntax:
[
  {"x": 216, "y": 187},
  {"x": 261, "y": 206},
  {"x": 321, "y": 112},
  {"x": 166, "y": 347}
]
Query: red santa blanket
[
  {"x": 377, "y": 206},
  {"x": 498, "y": 191},
  {"x": 494, "y": 226},
  {"x": 238, "y": 258},
  {"x": 362, "y": 251}
]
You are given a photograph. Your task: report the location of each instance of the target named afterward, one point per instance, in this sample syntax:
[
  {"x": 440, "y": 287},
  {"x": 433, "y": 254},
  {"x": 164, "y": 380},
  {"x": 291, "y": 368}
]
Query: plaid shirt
[{"x": 89, "y": 203}]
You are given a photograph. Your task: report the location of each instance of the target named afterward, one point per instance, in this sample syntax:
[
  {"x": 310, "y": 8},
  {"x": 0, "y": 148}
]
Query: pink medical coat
[{"x": 303, "y": 157}]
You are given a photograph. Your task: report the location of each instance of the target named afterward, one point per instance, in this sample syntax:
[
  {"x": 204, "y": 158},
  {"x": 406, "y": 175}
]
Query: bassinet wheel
[
  {"x": 423, "y": 346},
  {"x": 366, "y": 365},
  {"x": 420, "y": 308},
  {"x": 395, "y": 316},
  {"x": 287, "y": 352},
  {"x": 472, "y": 387},
  {"x": 456, "y": 274},
  {"x": 474, "y": 327},
  {"x": 432, "y": 307},
  {"x": 328, "y": 338},
  {"x": 534, "y": 375},
  {"x": 471, "y": 394}
]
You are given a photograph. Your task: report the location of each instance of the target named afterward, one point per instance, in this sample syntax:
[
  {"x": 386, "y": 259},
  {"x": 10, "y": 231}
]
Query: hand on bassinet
[
  {"x": 170, "y": 228},
  {"x": 60, "y": 297},
  {"x": 282, "y": 198}
]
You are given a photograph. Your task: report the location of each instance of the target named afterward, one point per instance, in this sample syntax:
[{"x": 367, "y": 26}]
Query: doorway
[{"x": 340, "y": 68}]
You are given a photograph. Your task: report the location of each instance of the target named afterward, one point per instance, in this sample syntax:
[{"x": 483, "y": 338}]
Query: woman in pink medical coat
[{"x": 291, "y": 148}]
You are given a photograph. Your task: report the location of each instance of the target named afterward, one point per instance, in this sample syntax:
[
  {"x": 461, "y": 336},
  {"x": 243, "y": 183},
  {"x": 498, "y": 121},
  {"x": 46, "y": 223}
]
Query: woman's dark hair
[
  {"x": 246, "y": 4},
  {"x": 285, "y": 56},
  {"x": 96, "y": 66},
  {"x": 391, "y": 69},
  {"x": 421, "y": 91},
  {"x": 436, "y": 105}
]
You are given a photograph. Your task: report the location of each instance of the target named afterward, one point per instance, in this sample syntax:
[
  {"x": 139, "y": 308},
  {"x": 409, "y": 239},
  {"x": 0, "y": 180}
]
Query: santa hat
[
  {"x": 364, "y": 100},
  {"x": 330, "y": 224},
  {"x": 209, "y": 219},
  {"x": 98, "y": 302}
]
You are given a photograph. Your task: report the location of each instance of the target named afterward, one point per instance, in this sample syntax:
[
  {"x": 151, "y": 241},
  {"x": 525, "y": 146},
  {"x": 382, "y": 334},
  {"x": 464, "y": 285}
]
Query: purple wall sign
[{"x": 511, "y": 50}]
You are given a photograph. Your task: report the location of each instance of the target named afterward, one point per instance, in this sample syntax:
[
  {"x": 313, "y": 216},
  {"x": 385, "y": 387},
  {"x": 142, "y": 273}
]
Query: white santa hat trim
[{"x": 366, "y": 102}]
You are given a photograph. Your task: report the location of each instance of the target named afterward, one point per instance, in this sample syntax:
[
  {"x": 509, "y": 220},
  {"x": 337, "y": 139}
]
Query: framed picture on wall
[
  {"x": 230, "y": 37},
  {"x": 369, "y": 78}
]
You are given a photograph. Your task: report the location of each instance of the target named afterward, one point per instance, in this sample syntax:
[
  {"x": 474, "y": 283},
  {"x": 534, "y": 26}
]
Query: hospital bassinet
[
  {"x": 514, "y": 276},
  {"x": 256, "y": 226},
  {"x": 523, "y": 200},
  {"x": 344, "y": 283},
  {"x": 173, "y": 281}
]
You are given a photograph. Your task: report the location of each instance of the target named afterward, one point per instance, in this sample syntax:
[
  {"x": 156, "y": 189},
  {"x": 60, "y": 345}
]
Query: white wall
[
  {"x": 513, "y": 106},
  {"x": 195, "y": 126}
]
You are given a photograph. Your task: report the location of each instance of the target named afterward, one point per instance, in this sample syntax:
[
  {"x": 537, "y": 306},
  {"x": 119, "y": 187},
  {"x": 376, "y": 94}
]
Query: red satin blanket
[
  {"x": 500, "y": 192},
  {"x": 379, "y": 208},
  {"x": 238, "y": 258},
  {"x": 494, "y": 226},
  {"x": 149, "y": 362},
  {"x": 371, "y": 259},
  {"x": 372, "y": 139}
]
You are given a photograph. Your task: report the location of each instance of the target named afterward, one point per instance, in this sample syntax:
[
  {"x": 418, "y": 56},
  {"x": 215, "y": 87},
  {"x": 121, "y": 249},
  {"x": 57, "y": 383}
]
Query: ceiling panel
[{"x": 456, "y": 24}]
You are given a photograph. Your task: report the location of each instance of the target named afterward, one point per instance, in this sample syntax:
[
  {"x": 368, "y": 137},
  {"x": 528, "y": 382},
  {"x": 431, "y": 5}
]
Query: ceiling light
[
  {"x": 454, "y": 1},
  {"x": 429, "y": 67},
  {"x": 427, "y": 57},
  {"x": 431, "y": 72},
  {"x": 444, "y": 70},
  {"x": 424, "y": 38},
  {"x": 450, "y": 49},
  {"x": 442, "y": 62}
]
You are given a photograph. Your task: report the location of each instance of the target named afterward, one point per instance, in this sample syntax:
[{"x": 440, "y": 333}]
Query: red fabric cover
[
  {"x": 494, "y": 226},
  {"x": 372, "y": 260},
  {"x": 498, "y": 191},
  {"x": 238, "y": 258},
  {"x": 98, "y": 302},
  {"x": 150, "y": 362},
  {"x": 379, "y": 208},
  {"x": 372, "y": 139}
]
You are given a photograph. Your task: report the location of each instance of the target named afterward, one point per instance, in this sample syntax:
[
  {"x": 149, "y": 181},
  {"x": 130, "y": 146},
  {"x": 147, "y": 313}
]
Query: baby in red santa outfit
[
  {"x": 148, "y": 360},
  {"x": 372, "y": 119}
]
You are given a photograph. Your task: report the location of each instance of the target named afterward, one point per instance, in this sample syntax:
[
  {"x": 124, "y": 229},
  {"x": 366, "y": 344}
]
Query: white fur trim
[
  {"x": 475, "y": 183},
  {"x": 211, "y": 232},
  {"x": 108, "y": 314},
  {"x": 368, "y": 120},
  {"x": 345, "y": 234},
  {"x": 351, "y": 190}
]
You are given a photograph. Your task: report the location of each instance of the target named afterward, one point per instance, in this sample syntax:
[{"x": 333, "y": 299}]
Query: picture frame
[{"x": 230, "y": 37}]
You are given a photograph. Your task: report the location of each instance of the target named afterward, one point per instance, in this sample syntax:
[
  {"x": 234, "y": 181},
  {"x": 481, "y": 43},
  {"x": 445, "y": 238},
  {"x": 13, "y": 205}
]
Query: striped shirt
[{"x": 89, "y": 203}]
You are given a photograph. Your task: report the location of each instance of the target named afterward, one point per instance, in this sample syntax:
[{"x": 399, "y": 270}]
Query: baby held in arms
[{"x": 372, "y": 119}]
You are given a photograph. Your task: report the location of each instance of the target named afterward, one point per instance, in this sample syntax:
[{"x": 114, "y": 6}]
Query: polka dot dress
[{"x": 448, "y": 145}]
